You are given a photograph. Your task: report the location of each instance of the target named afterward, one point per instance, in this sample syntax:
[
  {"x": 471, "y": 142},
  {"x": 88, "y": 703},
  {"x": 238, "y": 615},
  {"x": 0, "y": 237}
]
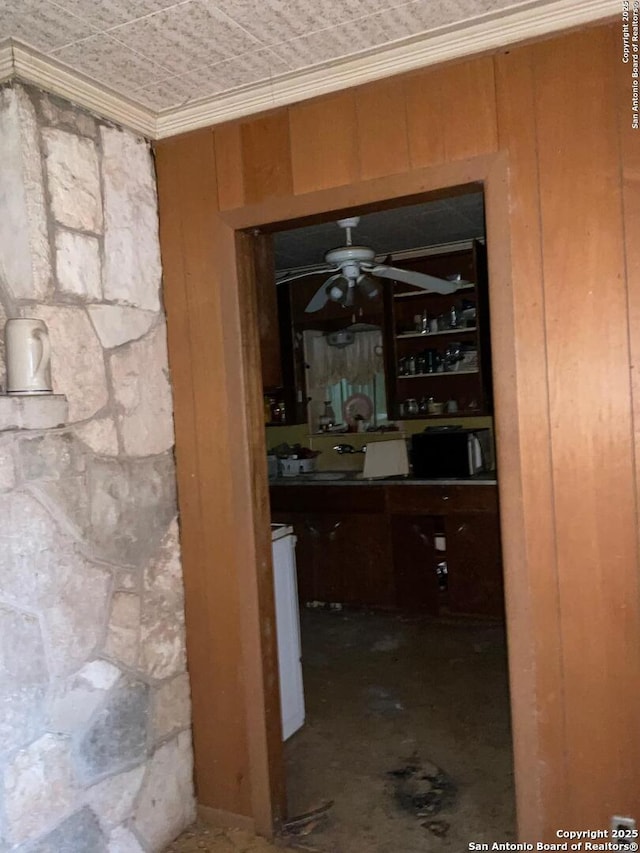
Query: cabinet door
[
  {"x": 358, "y": 549},
  {"x": 306, "y": 530},
  {"x": 414, "y": 563},
  {"x": 343, "y": 558},
  {"x": 474, "y": 564}
]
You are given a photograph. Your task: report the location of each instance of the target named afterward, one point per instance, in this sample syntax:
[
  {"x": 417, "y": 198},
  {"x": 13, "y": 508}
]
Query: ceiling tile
[
  {"x": 272, "y": 21},
  {"x": 254, "y": 67},
  {"x": 186, "y": 37},
  {"x": 172, "y": 92},
  {"x": 110, "y": 62},
  {"x": 431, "y": 14},
  {"x": 395, "y": 230},
  {"x": 109, "y": 13},
  {"x": 41, "y": 25},
  {"x": 334, "y": 42}
]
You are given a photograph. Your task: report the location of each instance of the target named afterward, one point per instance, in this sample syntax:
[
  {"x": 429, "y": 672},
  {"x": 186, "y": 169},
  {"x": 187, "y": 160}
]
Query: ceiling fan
[{"x": 354, "y": 266}]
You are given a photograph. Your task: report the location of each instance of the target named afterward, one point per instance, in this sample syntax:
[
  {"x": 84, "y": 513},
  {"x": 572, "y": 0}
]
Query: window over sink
[{"x": 345, "y": 378}]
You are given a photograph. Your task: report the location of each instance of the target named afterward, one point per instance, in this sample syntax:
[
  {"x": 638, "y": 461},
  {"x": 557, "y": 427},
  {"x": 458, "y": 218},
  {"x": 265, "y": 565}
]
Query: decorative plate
[{"x": 357, "y": 404}]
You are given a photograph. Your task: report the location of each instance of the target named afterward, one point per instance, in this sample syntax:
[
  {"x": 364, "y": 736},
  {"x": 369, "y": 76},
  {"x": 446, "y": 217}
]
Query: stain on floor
[{"x": 407, "y": 732}]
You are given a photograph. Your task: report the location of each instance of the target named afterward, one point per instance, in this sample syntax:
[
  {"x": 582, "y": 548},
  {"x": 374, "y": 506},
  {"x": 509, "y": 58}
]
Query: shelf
[
  {"x": 410, "y": 293},
  {"x": 407, "y": 335},
  {"x": 434, "y": 375}
]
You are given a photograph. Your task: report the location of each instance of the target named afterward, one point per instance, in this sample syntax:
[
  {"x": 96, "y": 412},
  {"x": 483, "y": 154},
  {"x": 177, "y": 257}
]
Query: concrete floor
[{"x": 407, "y": 733}]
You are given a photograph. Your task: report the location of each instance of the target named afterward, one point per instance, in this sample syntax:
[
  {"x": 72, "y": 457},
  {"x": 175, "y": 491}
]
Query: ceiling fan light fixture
[
  {"x": 338, "y": 290},
  {"x": 368, "y": 286}
]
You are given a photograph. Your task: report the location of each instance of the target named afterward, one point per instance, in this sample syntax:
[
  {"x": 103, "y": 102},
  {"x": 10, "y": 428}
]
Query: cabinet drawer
[
  {"x": 442, "y": 500},
  {"x": 314, "y": 498}
]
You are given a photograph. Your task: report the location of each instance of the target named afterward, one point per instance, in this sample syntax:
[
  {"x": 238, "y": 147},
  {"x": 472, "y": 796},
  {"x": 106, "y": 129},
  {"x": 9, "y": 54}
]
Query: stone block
[
  {"x": 52, "y": 456},
  {"x": 73, "y": 177},
  {"x": 77, "y": 363},
  {"x": 166, "y": 804},
  {"x": 139, "y": 373},
  {"x": 60, "y": 113},
  {"x": 122, "y": 840},
  {"x": 100, "y": 435},
  {"x": 7, "y": 463},
  {"x": 42, "y": 569},
  {"x": 117, "y": 738},
  {"x": 75, "y": 700},
  {"x": 123, "y": 632},
  {"x": 23, "y": 678},
  {"x": 132, "y": 253},
  {"x": 131, "y": 503},
  {"x": 24, "y": 241},
  {"x": 163, "y": 636},
  {"x": 80, "y": 833},
  {"x": 3, "y": 321},
  {"x": 171, "y": 707},
  {"x": 39, "y": 788},
  {"x": 44, "y": 411},
  {"x": 119, "y": 324},
  {"x": 113, "y": 799},
  {"x": 78, "y": 265}
]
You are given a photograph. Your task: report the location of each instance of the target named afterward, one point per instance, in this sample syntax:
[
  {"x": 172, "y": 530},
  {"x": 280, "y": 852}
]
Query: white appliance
[
  {"x": 386, "y": 459},
  {"x": 287, "y": 628}
]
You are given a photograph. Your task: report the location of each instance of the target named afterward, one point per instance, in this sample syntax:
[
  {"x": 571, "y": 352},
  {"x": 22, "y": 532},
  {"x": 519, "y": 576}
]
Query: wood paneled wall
[{"x": 548, "y": 127}]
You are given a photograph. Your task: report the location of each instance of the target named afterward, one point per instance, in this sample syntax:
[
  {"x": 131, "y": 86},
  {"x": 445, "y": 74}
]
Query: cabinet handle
[
  {"x": 425, "y": 539},
  {"x": 445, "y": 497},
  {"x": 312, "y": 530},
  {"x": 333, "y": 532}
]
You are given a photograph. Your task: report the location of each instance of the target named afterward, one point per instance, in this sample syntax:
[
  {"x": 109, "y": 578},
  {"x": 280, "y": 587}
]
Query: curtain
[{"x": 358, "y": 362}]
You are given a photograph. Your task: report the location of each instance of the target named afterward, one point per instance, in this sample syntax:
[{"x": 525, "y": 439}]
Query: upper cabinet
[{"x": 437, "y": 348}]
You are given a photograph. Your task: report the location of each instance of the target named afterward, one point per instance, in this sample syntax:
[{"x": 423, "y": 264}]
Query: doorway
[{"x": 407, "y": 717}]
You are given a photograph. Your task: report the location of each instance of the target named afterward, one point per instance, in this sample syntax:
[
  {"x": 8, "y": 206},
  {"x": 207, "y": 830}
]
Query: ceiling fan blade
[
  {"x": 283, "y": 278},
  {"x": 418, "y": 279},
  {"x": 321, "y": 296}
]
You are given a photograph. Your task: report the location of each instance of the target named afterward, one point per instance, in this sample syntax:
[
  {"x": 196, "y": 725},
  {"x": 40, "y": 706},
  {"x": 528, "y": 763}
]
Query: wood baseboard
[{"x": 226, "y": 820}]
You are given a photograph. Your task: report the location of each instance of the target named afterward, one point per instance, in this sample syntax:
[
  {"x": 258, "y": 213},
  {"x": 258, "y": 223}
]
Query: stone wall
[{"x": 95, "y": 744}]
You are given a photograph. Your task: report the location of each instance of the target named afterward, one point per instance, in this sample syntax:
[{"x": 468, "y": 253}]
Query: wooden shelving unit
[{"x": 469, "y": 387}]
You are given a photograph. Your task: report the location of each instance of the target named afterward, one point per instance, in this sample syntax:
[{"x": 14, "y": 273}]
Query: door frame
[{"x": 223, "y": 238}]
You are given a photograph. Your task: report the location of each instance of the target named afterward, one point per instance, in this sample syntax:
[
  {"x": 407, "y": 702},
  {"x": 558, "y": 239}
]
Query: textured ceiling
[
  {"x": 164, "y": 54},
  {"x": 396, "y": 230}
]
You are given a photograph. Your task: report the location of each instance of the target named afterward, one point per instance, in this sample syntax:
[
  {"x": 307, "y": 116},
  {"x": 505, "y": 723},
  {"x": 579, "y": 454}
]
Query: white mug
[{"x": 28, "y": 354}]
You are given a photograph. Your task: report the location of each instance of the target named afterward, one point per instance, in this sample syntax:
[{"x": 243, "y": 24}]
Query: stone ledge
[{"x": 41, "y": 411}]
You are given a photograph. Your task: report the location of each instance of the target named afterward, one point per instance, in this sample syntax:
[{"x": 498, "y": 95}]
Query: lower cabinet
[
  {"x": 375, "y": 546},
  {"x": 343, "y": 558},
  {"x": 414, "y": 563},
  {"x": 474, "y": 563}
]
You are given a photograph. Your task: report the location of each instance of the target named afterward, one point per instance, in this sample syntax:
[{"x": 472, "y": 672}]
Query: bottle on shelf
[{"x": 328, "y": 418}]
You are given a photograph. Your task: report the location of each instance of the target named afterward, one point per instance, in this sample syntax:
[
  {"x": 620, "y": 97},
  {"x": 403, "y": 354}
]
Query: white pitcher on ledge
[{"x": 28, "y": 354}]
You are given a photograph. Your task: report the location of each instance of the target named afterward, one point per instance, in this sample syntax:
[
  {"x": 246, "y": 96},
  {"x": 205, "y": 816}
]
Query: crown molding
[
  {"x": 32, "y": 67},
  {"x": 491, "y": 32},
  {"x": 6, "y": 61},
  {"x": 465, "y": 39}
]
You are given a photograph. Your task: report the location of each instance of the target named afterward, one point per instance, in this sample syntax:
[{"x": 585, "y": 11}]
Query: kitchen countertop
[{"x": 355, "y": 478}]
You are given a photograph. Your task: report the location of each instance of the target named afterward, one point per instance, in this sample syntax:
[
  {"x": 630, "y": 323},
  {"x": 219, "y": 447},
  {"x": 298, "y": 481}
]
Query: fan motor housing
[{"x": 360, "y": 254}]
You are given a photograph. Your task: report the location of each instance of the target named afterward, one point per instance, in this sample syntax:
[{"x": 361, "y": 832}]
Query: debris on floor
[
  {"x": 423, "y": 790},
  {"x": 437, "y": 827},
  {"x": 202, "y": 838},
  {"x": 381, "y": 701},
  {"x": 308, "y": 822}
]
